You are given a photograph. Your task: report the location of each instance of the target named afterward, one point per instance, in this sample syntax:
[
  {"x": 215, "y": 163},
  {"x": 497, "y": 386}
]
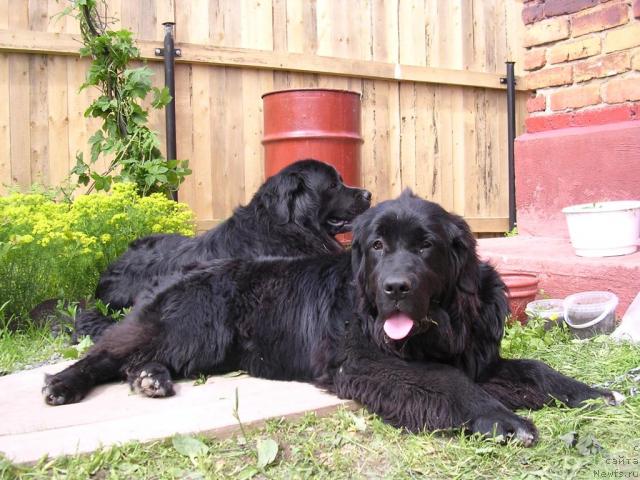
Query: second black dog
[{"x": 295, "y": 212}]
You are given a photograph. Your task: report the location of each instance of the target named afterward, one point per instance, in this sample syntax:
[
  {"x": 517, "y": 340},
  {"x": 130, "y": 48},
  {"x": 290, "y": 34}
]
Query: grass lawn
[{"x": 593, "y": 442}]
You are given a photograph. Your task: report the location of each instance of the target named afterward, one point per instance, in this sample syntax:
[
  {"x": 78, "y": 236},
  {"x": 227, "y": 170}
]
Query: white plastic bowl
[{"x": 603, "y": 229}]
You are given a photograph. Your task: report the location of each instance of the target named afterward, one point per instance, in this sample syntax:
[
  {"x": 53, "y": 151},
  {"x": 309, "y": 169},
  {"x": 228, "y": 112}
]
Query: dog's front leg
[
  {"x": 103, "y": 363},
  {"x": 533, "y": 384},
  {"x": 427, "y": 396},
  {"x": 73, "y": 383}
]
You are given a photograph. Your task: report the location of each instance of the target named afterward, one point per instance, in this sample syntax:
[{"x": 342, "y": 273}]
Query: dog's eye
[
  {"x": 333, "y": 185},
  {"x": 425, "y": 246},
  {"x": 377, "y": 245}
]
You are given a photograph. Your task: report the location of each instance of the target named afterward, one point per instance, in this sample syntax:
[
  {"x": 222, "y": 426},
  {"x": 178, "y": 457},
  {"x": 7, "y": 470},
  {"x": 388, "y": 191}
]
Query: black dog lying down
[
  {"x": 295, "y": 212},
  {"x": 408, "y": 323}
]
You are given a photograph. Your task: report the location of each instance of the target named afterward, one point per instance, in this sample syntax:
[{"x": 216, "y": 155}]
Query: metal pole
[
  {"x": 511, "y": 122},
  {"x": 169, "y": 54}
]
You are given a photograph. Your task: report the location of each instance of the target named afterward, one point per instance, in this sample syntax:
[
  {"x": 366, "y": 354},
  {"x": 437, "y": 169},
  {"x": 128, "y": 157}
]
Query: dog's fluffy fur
[
  {"x": 296, "y": 212},
  {"x": 330, "y": 319}
]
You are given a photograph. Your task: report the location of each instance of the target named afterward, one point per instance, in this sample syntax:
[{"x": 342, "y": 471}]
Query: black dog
[
  {"x": 409, "y": 324},
  {"x": 295, "y": 212}
]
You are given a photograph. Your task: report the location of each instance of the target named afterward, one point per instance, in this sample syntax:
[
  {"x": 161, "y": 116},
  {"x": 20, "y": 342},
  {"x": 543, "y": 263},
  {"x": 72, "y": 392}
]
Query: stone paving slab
[{"x": 111, "y": 414}]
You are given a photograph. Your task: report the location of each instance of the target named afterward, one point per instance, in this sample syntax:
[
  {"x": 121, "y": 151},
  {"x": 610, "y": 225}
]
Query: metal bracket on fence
[{"x": 159, "y": 52}]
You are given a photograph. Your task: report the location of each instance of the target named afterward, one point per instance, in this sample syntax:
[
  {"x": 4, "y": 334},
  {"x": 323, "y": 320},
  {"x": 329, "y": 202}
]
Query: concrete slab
[
  {"x": 110, "y": 415},
  {"x": 560, "y": 270}
]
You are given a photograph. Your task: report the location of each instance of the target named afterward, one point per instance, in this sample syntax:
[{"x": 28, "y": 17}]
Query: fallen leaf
[
  {"x": 189, "y": 446},
  {"x": 267, "y": 452}
]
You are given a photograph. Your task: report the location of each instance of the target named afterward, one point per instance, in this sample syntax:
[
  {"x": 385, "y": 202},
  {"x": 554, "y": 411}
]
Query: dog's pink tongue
[{"x": 398, "y": 326}]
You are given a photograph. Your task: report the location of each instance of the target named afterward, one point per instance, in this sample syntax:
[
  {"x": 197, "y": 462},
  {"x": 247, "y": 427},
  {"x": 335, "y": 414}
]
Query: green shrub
[{"x": 57, "y": 250}]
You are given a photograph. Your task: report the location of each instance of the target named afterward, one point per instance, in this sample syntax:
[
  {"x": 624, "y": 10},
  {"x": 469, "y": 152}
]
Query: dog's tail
[{"x": 92, "y": 323}]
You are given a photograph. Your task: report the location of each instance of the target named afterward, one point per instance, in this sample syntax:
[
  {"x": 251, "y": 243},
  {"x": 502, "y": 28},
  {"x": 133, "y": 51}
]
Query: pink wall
[{"x": 558, "y": 168}]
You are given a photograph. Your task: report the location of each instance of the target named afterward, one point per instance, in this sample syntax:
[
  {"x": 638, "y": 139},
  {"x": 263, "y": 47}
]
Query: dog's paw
[
  {"x": 618, "y": 399},
  {"x": 505, "y": 425},
  {"x": 577, "y": 398},
  {"x": 154, "y": 380},
  {"x": 57, "y": 392}
]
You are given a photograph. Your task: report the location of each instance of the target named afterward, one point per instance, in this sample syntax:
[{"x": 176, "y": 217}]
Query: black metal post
[
  {"x": 169, "y": 54},
  {"x": 511, "y": 122}
]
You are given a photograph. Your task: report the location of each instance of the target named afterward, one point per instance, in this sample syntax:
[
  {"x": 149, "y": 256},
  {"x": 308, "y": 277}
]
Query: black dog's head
[
  {"x": 311, "y": 193},
  {"x": 410, "y": 257}
]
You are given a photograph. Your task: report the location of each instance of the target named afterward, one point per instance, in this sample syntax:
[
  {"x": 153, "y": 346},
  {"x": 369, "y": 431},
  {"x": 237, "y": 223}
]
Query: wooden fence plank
[
  {"x": 165, "y": 12},
  {"x": 19, "y": 93},
  {"x": 57, "y": 23},
  {"x": 232, "y": 130},
  {"x": 253, "y": 86},
  {"x": 184, "y": 130},
  {"x": 459, "y": 154},
  {"x": 412, "y": 41},
  {"x": 18, "y": 15},
  {"x": 514, "y": 35},
  {"x": 58, "y": 120},
  {"x": 38, "y": 15},
  {"x": 380, "y": 156},
  {"x": 408, "y": 136},
  {"x": 51, "y": 43},
  {"x": 202, "y": 147},
  {"x": 157, "y": 117},
  {"x": 39, "y": 122},
  {"x": 445, "y": 151},
  {"x": 81, "y": 128},
  {"x": 257, "y": 32},
  {"x": 5, "y": 125},
  {"x": 38, "y": 12},
  {"x": 19, "y": 119},
  {"x": 4, "y": 14},
  {"x": 428, "y": 133},
  {"x": 194, "y": 23},
  {"x": 217, "y": 155}
]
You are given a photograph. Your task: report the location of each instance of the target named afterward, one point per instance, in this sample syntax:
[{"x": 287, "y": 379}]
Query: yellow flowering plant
[{"x": 52, "y": 249}]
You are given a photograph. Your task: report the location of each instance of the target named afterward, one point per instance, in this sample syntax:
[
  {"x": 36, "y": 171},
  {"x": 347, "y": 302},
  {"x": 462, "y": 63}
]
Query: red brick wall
[{"x": 583, "y": 60}]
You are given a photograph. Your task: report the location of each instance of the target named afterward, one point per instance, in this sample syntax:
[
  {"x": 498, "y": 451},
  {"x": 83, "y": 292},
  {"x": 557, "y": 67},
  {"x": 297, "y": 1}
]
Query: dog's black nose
[
  {"x": 366, "y": 194},
  {"x": 397, "y": 287}
]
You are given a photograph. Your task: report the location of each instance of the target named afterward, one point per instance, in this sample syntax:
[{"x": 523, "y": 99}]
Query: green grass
[
  {"x": 356, "y": 444},
  {"x": 28, "y": 347}
]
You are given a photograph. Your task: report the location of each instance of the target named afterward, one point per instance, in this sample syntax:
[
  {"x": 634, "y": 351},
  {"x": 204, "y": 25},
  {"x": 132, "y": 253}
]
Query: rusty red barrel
[{"x": 313, "y": 123}]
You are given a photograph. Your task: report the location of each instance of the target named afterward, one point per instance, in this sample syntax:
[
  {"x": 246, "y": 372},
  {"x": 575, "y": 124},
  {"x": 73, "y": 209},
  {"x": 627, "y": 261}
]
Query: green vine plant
[{"x": 133, "y": 149}]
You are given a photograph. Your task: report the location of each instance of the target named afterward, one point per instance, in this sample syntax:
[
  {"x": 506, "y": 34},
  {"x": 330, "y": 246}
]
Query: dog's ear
[
  {"x": 280, "y": 194},
  {"x": 464, "y": 257},
  {"x": 305, "y": 206}
]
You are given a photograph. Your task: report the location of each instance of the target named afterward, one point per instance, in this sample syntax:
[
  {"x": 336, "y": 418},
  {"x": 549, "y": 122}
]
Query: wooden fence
[{"x": 434, "y": 111}]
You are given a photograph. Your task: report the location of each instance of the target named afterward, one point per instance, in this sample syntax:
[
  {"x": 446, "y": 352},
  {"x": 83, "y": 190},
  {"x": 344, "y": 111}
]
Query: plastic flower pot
[
  {"x": 590, "y": 313},
  {"x": 522, "y": 288},
  {"x": 604, "y": 229},
  {"x": 551, "y": 310}
]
